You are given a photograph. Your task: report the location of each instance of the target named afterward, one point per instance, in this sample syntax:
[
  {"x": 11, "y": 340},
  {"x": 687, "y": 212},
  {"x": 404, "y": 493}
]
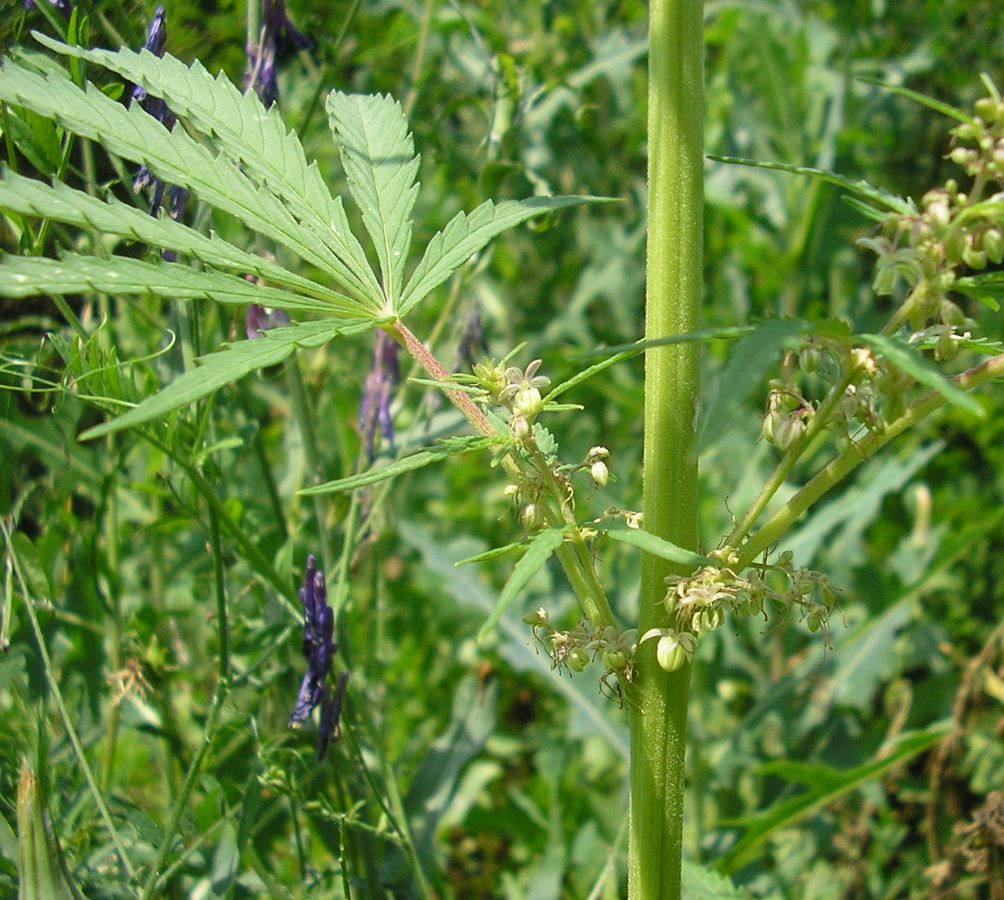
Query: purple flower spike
[
  {"x": 276, "y": 36},
  {"x": 374, "y": 410},
  {"x": 319, "y": 649},
  {"x": 156, "y": 39}
]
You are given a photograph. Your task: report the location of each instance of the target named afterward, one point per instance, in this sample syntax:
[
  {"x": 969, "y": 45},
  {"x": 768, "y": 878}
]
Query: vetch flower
[
  {"x": 256, "y": 320},
  {"x": 374, "y": 409},
  {"x": 277, "y": 34},
  {"x": 156, "y": 38},
  {"x": 61, "y": 6},
  {"x": 319, "y": 649}
]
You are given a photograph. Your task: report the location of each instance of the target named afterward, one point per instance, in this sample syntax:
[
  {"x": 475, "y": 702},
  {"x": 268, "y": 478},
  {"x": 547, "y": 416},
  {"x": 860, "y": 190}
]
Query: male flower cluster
[{"x": 319, "y": 650}]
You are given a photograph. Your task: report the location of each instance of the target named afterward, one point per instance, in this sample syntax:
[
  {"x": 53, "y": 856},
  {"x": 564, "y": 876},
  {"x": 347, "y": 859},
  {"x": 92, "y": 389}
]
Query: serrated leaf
[
  {"x": 378, "y": 155},
  {"x": 749, "y": 360},
  {"x": 657, "y": 546},
  {"x": 700, "y": 883},
  {"x": 831, "y": 785},
  {"x": 445, "y": 449},
  {"x": 537, "y": 553},
  {"x": 62, "y": 203},
  {"x": 466, "y": 234},
  {"x": 172, "y": 156},
  {"x": 258, "y": 138},
  {"x": 29, "y": 276},
  {"x": 220, "y": 369},
  {"x": 908, "y": 360},
  {"x": 861, "y": 189}
]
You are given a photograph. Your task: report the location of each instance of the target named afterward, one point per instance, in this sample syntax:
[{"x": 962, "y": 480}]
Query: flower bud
[
  {"x": 790, "y": 428},
  {"x": 975, "y": 259},
  {"x": 530, "y": 516},
  {"x": 947, "y": 346},
  {"x": 599, "y": 473},
  {"x": 987, "y": 109},
  {"x": 669, "y": 654},
  {"x": 520, "y": 427},
  {"x": 808, "y": 359},
  {"x": 993, "y": 245},
  {"x": 615, "y": 660},
  {"x": 540, "y": 617},
  {"x": 577, "y": 659},
  {"x": 528, "y": 402}
]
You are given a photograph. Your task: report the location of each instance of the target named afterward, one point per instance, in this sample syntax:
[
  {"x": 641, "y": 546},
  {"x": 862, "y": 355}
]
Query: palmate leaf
[
  {"x": 467, "y": 233},
  {"x": 62, "y": 203},
  {"x": 29, "y": 276},
  {"x": 172, "y": 156},
  {"x": 222, "y": 368},
  {"x": 378, "y": 155},
  {"x": 862, "y": 189},
  {"x": 258, "y": 138}
]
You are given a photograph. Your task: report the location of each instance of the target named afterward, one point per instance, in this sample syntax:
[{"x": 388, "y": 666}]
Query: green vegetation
[{"x": 195, "y": 402}]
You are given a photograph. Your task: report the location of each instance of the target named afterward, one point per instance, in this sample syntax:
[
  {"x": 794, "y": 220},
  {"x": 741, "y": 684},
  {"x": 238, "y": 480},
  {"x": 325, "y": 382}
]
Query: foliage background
[{"x": 513, "y": 780}]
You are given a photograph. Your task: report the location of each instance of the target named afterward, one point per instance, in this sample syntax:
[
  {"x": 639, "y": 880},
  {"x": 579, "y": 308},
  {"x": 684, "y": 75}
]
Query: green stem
[
  {"x": 672, "y": 395},
  {"x": 212, "y": 720},
  {"x": 300, "y": 405},
  {"x": 57, "y": 695},
  {"x": 574, "y": 557},
  {"x": 841, "y": 466}
]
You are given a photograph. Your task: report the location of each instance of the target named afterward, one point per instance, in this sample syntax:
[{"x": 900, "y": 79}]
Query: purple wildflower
[
  {"x": 276, "y": 36},
  {"x": 319, "y": 649},
  {"x": 256, "y": 320},
  {"x": 156, "y": 38},
  {"x": 61, "y": 6},
  {"x": 374, "y": 410}
]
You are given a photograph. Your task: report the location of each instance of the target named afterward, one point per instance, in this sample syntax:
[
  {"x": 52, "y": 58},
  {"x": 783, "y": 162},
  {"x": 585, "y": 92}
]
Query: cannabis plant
[{"x": 836, "y": 392}]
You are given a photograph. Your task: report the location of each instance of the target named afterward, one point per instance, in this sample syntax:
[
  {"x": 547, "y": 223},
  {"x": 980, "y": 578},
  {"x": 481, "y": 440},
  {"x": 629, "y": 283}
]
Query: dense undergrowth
[{"x": 468, "y": 769}]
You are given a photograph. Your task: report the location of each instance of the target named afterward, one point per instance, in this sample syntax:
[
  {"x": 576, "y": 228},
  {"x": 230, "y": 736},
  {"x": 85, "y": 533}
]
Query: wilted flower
[
  {"x": 472, "y": 344},
  {"x": 319, "y": 649},
  {"x": 156, "y": 38},
  {"x": 277, "y": 34},
  {"x": 256, "y": 320},
  {"x": 374, "y": 410}
]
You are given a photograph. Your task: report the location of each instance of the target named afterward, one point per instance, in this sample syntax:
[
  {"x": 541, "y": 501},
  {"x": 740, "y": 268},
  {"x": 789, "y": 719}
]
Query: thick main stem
[{"x": 672, "y": 385}]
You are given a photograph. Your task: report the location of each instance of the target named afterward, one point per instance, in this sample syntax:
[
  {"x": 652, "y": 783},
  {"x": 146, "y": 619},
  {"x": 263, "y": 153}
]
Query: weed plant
[{"x": 356, "y": 542}]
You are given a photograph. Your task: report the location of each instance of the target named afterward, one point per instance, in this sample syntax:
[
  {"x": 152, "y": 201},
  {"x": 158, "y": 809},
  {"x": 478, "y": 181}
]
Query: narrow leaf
[
  {"x": 826, "y": 789},
  {"x": 643, "y": 540},
  {"x": 908, "y": 360},
  {"x": 862, "y": 189},
  {"x": 922, "y": 99},
  {"x": 466, "y": 234},
  {"x": 62, "y": 203},
  {"x": 537, "y": 553},
  {"x": 29, "y": 276},
  {"x": 443, "y": 450},
  {"x": 41, "y": 868},
  {"x": 494, "y": 553},
  {"x": 172, "y": 156},
  {"x": 378, "y": 155},
  {"x": 257, "y": 138},
  {"x": 220, "y": 369}
]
